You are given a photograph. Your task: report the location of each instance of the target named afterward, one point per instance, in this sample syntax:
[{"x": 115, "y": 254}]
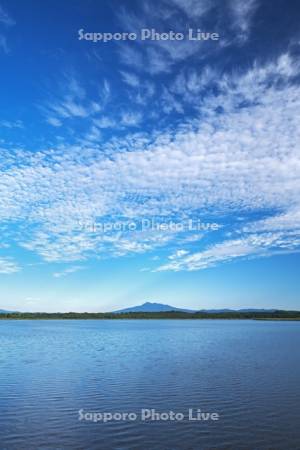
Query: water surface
[{"x": 246, "y": 371}]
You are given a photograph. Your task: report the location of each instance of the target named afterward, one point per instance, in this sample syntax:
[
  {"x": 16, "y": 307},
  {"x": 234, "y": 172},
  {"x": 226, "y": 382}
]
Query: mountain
[
  {"x": 4, "y": 311},
  {"x": 160, "y": 307},
  {"x": 152, "y": 307}
]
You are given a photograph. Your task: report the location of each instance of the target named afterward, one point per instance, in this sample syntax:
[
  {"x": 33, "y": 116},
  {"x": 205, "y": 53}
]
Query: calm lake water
[{"x": 248, "y": 372}]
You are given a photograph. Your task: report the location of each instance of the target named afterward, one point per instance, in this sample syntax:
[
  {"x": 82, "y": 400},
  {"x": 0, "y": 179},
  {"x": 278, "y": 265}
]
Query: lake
[{"x": 60, "y": 379}]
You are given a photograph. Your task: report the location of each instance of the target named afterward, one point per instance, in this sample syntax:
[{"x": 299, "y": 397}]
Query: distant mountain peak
[{"x": 152, "y": 307}]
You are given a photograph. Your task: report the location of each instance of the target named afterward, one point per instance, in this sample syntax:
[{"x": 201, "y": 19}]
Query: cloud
[
  {"x": 72, "y": 102},
  {"x": 231, "y": 19},
  {"x": 131, "y": 56},
  {"x": 194, "y": 8},
  {"x": 170, "y": 103},
  {"x": 131, "y": 79},
  {"x": 54, "y": 121},
  {"x": 6, "y": 21},
  {"x": 131, "y": 119},
  {"x": 11, "y": 124},
  {"x": 8, "y": 266},
  {"x": 255, "y": 245},
  {"x": 190, "y": 84},
  {"x": 141, "y": 90},
  {"x": 5, "y": 18},
  {"x": 242, "y": 13},
  {"x": 105, "y": 91},
  {"x": 32, "y": 300},
  {"x": 237, "y": 156},
  {"x": 93, "y": 134},
  {"x": 287, "y": 221},
  {"x": 105, "y": 122},
  {"x": 67, "y": 271}
]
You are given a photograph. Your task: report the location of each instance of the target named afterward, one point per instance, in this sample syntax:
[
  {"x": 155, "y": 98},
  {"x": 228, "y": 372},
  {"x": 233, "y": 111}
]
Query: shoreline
[{"x": 279, "y": 316}]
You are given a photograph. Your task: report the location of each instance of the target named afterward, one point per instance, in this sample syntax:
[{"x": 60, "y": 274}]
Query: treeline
[{"x": 263, "y": 315}]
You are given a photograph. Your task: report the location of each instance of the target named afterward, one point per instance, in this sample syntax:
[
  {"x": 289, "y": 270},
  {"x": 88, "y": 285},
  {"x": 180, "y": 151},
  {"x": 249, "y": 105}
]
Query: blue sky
[{"x": 137, "y": 170}]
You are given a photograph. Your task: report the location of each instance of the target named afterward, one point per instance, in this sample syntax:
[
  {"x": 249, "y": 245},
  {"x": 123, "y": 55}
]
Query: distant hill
[
  {"x": 160, "y": 307},
  {"x": 153, "y": 307},
  {"x": 246, "y": 310},
  {"x": 4, "y": 311}
]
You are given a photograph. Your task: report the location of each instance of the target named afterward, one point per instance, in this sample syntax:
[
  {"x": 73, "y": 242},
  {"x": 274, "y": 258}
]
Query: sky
[{"x": 149, "y": 168}]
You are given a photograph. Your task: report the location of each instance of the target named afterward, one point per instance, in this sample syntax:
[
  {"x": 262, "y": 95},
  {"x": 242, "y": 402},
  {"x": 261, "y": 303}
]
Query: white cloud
[
  {"x": 105, "y": 122},
  {"x": 71, "y": 102},
  {"x": 286, "y": 221},
  {"x": 131, "y": 79},
  {"x": 240, "y": 154},
  {"x": 190, "y": 84},
  {"x": 131, "y": 118},
  {"x": 131, "y": 56},
  {"x": 105, "y": 91},
  {"x": 170, "y": 103},
  {"x": 8, "y": 266},
  {"x": 93, "y": 134},
  {"x": 231, "y": 19},
  {"x": 11, "y": 124},
  {"x": 255, "y": 245},
  {"x": 242, "y": 14},
  {"x": 6, "y": 21},
  {"x": 178, "y": 254},
  {"x": 67, "y": 271},
  {"x": 54, "y": 121},
  {"x": 194, "y": 8}
]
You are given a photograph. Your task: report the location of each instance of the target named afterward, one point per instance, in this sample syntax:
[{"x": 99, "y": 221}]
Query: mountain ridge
[{"x": 161, "y": 307}]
